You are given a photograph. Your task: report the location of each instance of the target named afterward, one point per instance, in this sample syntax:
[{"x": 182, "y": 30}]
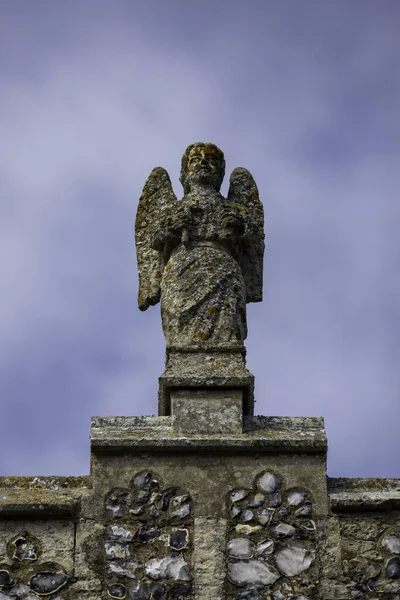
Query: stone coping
[
  {"x": 359, "y": 495},
  {"x": 35, "y": 503},
  {"x": 261, "y": 434},
  {"x": 43, "y": 497},
  {"x": 46, "y": 483}
]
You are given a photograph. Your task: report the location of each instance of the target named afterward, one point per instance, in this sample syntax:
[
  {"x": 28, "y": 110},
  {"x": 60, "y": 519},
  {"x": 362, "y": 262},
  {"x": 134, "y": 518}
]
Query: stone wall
[{"x": 249, "y": 515}]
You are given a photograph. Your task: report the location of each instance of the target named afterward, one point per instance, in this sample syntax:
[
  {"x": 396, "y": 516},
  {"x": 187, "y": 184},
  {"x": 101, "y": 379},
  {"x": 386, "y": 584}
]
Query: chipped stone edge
[
  {"x": 135, "y": 444},
  {"x": 364, "y": 501},
  {"x": 261, "y": 434},
  {"x": 43, "y": 497}
]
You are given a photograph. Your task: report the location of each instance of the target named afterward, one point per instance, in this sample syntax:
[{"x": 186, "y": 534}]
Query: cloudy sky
[{"x": 94, "y": 94}]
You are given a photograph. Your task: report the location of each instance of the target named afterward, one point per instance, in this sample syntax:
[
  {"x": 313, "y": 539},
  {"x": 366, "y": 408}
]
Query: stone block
[
  {"x": 207, "y": 411},
  {"x": 211, "y": 369},
  {"x": 55, "y": 540},
  {"x": 209, "y": 557}
]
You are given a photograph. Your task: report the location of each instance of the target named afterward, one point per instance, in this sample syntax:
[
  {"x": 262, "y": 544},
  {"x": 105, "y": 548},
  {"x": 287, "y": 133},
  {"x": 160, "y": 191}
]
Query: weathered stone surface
[
  {"x": 202, "y": 255},
  {"x": 56, "y": 539},
  {"x": 88, "y": 548},
  {"x": 206, "y": 369},
  {"x": 272, "y": 435},
  {"x": 205, "y": 412},
  {"x": 364, "y": 494},
  {"x": 209, "y": 557},
  {"x": 329, "y": 546}
]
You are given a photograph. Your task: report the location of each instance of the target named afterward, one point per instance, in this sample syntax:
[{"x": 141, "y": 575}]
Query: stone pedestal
[{"x": 204, "y": 370}]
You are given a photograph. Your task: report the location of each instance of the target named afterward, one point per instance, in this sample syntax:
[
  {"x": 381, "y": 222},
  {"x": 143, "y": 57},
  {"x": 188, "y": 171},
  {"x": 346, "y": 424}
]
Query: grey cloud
[{"x": 307, "y": 100}]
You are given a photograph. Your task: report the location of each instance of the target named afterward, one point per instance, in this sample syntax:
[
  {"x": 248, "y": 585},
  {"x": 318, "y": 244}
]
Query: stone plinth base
[
  {"x": 207, "y": 411},
  {"x": 216, "y": 369}
]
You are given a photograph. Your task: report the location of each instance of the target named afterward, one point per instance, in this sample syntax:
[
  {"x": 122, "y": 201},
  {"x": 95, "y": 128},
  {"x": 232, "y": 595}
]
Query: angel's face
[{"x": 202, "y": 166}]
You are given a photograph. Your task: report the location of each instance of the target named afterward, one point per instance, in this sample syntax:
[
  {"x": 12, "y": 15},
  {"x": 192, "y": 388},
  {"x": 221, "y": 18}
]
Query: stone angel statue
[{"x": 202, "y": 256}]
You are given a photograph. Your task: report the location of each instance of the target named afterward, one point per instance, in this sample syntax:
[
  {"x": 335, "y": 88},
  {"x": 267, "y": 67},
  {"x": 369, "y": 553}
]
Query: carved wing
[
  {"x": 244, "y": 192},
  {"x": 157, "y": 193}
]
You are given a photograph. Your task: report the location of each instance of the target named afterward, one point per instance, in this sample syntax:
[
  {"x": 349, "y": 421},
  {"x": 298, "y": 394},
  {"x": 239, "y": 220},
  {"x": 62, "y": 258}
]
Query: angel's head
[{"x": 202, "y": 163}]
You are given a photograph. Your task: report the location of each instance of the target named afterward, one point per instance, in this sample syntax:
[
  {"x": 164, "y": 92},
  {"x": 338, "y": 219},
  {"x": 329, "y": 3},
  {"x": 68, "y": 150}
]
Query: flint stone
[
  {"x": 268, "y": 482},
  {"x": 115, "y": 511},
  {"x": 116, "y": 550},
  {"x": 142, "y": 496},
  {"x": 167, "y": 499},
  {"x": 178, "y": 539},
  {"x": 392, "y": 543},
  {"x": 240, "y": 548},
  {"x": 304, "y": 511},
  {"x": 250, "y": 595},
  {"x": 25, "y": 551},
  {"x": 275, "y": 500},
  {"x": 48, "y": 582},
  {"x": 125, "y": 569},
  {"x": 277, "y": 596},
  {"x": 393, "y": 567},
  {"x": 5, "y": 578},
  {"x": 283, "y": 530},
  {"x": 257, "y": 501},
  {"x": 116, "y": 591},
  {"x": 178, "y": 500},
  {"x": 182, "y": 512},
  {"x": 251, "y": 572},
  {"x": 138, "y": 591},
  {"x": 146, "y": 534},
  {"x": 293, "y": 560},
  {"x": 265, "y": 515},
  {"x": 116, "y": 533},
  {"x": 239, "y": 495},
  {"x": 141, "y": 480},
  {"x": 171, "y": 567},
  {"x": 247, "y": 515},
  {"x": 19, "y": 590},
  {"x": 296, "y": 498},
  {"x": 158, "y": 591},
  {"x": 118, "y": 495},
  {"x": 180, "y": 590},
  {"x": 265, "y": 548}
]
